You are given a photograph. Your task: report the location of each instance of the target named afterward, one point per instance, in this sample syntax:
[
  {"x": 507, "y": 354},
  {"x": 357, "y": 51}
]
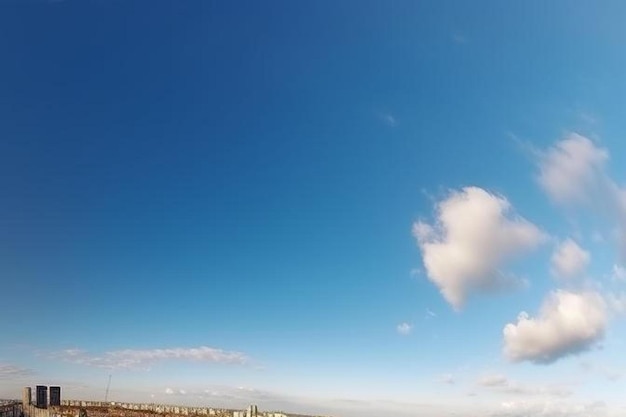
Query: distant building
[
  {"x": 55, "y": 396},
  {"x": 252, "y": 411},
  {"x": 27, "y": 396},
  {"x": 42, "y": 396}
]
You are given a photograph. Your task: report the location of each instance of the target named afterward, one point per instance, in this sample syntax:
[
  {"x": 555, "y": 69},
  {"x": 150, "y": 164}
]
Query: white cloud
[
  {"x": 568, "y": 323},
  {"x": 142, "y": 359},
  {"x": 404, "y": 328},
  {"x": 169, "y": 391},
  {"x": 474, "y": 235},
  {"x": 570, "y": 169},
  {"x": 569, "y": 260},
  {"x": 573, "y": 173}
]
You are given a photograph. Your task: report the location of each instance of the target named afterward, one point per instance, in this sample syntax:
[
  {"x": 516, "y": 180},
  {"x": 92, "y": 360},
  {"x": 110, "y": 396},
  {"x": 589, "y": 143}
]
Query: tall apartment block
[
  {"x": 252, "y": 411},
  {"x": 42, "y": 396},
  {"x": 27, "y": 396},
  {"x": 55, "y": 396}
]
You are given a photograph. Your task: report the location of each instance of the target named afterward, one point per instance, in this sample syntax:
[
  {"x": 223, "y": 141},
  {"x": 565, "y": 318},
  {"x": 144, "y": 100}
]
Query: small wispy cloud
[
  {"x": 12, "y": 372},
  {"x": 459, "y": 38},
  {"x": 617, "y": 302},
  {"x": 175, "y": 391},
  {"x": 493, "y": 380},
  {"x": 609, "y": 373},
  {"x": 143, "y": 359},
  {"x": 404, "y": 328},
  {"x": 588, "y": 118},
  {"x": 389, "y": 119},
  {"x": 447, "y": 379},
  {"x": 618, "y": 273},
  {"x": 501, "y": 383}
]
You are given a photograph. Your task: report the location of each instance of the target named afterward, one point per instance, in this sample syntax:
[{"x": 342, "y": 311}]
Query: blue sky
[{"x": 333, "y": 207}]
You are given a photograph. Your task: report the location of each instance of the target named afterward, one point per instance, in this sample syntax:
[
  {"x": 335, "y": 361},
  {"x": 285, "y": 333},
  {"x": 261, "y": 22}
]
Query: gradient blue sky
[{"x": 240, "y": 181}]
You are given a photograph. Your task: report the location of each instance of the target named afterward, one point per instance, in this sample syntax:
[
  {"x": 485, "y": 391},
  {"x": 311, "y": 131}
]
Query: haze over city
[{"x": 347, "y": 208}]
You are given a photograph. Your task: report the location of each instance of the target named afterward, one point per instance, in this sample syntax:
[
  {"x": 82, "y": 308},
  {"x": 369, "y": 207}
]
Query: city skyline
[{"x": 337, "y": 208}]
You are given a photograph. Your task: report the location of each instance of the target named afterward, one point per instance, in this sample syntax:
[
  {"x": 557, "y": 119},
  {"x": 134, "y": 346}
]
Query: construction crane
[{"x": 106, "y": 394}]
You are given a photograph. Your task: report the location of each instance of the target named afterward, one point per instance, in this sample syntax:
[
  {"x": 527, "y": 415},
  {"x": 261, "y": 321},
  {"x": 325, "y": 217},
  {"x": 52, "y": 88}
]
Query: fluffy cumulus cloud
[
  {"x": 475, "y": 233},
  {"x": 569, "y": 260},
  {"x": 573, "y": 173},
  {"x": 144, "y": 358},
  {"x": 568, "y": 323}
]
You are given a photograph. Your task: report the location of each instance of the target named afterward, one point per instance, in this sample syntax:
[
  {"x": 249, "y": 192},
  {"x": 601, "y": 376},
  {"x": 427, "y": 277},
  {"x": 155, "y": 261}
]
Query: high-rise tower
[
  {"x": 42, "y": 396},
  {"x": 55, "y": 396},
  {"x": 27, "y": 396}
]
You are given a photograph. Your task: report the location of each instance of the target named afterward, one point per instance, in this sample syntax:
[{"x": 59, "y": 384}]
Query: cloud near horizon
[
  {"x": 12, "y": 372},
  {"x": 492, "y": 380},
  {"x": 550, "y": 408},
  {"x": 474, "y": 234},
  {"x": 568, "y": 323},
  {"x": 143, "y": 359},
  {"x": 502, "y": 384}
]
